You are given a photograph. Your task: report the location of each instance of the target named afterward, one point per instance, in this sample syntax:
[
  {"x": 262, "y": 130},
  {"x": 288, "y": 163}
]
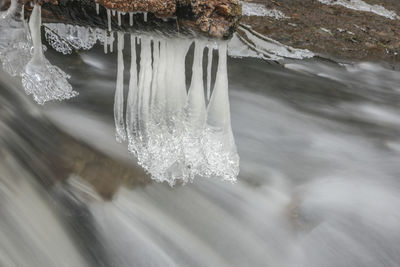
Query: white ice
[
  {"x": 131, "y": 107},
  {"x": 64, "y": 37},
  {"x": 109, "y": 19},
  {"x": 119, "y": 93},
  {"x": 209, "y": 66},
  {"x": 170, "y": 130},
  {"x": 111, "y": 42},
  {"x": 119, "y": 18},
  {"x": 130, "y": 18}
]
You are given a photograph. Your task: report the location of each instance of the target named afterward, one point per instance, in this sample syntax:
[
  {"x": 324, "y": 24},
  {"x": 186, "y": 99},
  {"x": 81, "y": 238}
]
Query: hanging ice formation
[
  {"x": 169, "y": 128},
  {"x": 15, "y": 44},
  {"x": 175, "y": 132},
  {"x": 39, "y": 78}
]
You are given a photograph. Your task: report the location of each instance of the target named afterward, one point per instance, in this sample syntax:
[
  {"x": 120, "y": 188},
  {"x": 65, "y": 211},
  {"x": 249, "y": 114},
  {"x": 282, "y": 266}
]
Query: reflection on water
[{"x": 319, "y": 146}]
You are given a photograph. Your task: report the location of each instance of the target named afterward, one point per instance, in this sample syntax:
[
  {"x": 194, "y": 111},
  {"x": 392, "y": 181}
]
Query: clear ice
[
  {"x": 64, "y": 38},
  {"x": 119, "y": 93},
  {"x": 209, "y": 65},
  {"x": 15, "y": 43},
  {"x": 40, "y": 78}
]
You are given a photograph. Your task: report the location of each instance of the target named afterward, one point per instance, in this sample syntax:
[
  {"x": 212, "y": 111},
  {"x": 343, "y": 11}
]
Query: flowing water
[{"x": 318, "y": 185}]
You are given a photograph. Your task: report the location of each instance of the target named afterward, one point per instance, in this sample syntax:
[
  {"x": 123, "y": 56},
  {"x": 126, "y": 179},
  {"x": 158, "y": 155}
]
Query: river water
[{"x": 319, "y": 177}]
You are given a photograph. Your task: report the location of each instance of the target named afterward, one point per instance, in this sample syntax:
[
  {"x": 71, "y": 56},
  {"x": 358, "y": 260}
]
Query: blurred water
[{"x": 319, "y": 183}]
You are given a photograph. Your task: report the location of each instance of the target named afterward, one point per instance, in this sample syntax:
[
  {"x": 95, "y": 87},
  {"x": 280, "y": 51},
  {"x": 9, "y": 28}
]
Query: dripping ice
[
  {"x": 170, "y": 128},
  {"x": 176, "y": 132},
  {"x": 40, "y": 78}
]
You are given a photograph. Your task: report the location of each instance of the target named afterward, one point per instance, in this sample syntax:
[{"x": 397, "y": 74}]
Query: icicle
[
  {"x": 144, "y": 86},
  {"x": 154, "y": 85},
  {"x": 130, "y": 18},
  {"x": 97, "y": 8},
  {"x": 160, "y": 90},
  {"x": 145, "y": 16},
  {"x": 43, "y": 80},
  {"x": 105, "y": 41},
  {"x": 12, "y": 9},
  {"x": 209, "y": 67},
  {"x": 175, "y": 75},
  {"x": 114, "y": 12},
  {"x": 23, "y": 13},
  {"x": 112, "y": 42},
  {"x": 196, "y": 107},
  {"x": 195, "y": 114},
  {"x": 87, "y": 32},
  {"x": 109, "y": 19},
  {"x": 119, "y": 93},
  {"x": 14, "y": 41},
  {"x": 119, "y": 18},
  {"x": 131, "y": 107},
  {"x": 218, "y": 142}
]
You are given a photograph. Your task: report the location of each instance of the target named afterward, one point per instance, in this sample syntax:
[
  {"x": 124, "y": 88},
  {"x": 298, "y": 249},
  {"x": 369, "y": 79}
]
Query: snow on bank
[
  {"x": 360, "y": 5},
  {"x": 253, "y": 9},
  {"x": 263, "y": 47}
]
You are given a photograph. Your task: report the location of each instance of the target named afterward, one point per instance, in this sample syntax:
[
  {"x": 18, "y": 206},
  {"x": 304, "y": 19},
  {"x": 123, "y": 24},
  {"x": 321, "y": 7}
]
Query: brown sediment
[
  {"x": 64, "y": 157},
  {"x": 104, "y": 173}
]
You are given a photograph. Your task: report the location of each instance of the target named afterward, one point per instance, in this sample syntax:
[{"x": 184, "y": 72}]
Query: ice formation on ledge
[
  {"x": 40, "y": 78},
  {"x": 169, "y": 128},
  {"x": 175, "y": 132},
  {"x": 63, "y": 37}
]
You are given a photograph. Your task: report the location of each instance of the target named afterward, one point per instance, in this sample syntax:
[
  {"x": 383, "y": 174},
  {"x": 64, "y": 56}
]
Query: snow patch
[
  {"x": 360, "y": 5},
  {"x": 253, "y": 9},
  {"x": 253, "y": 44}
]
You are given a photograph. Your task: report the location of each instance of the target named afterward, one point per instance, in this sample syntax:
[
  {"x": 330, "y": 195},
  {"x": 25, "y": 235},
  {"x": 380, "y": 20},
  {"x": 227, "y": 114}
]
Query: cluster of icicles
[
  {"x": 175, "y": 132},
  {"x": 21, "y": 54}
]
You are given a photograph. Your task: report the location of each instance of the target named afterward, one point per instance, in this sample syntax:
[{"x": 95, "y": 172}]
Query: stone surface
[
  {"x": 213, "y": 18},
  {"x": 334, "y": 31}
]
